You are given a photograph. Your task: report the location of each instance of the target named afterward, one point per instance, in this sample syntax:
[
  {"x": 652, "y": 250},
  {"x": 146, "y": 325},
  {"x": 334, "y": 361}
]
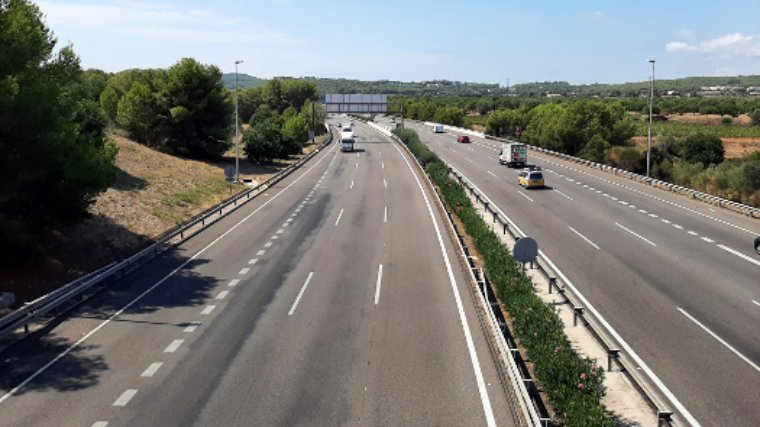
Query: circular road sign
[{"x": 525, "y": 250}]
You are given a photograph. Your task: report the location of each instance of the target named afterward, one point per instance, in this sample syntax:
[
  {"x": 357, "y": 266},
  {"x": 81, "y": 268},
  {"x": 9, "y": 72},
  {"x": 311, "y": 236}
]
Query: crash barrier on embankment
[
  {"x": 694, "y": 194},
  {"x": 73, "y": 293},
  {"x": 530, "y": 407},
  {"x": 619, "y": 353}
]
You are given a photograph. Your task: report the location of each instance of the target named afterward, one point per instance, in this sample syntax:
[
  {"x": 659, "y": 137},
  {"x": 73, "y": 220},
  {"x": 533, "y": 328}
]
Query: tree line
[
  {"x": 54, "y": 154},
  {"x": 601, "y": 131},
  {"x": 279, "y": 116}
]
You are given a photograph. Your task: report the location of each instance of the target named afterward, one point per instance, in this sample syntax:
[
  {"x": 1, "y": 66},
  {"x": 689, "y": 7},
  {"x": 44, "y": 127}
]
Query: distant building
[{"x": 553, "y": 95}]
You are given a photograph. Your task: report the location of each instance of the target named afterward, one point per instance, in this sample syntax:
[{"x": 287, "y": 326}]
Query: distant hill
[
  {"x": 244, "y": 81},
  {"x": 737, "y": 85}
]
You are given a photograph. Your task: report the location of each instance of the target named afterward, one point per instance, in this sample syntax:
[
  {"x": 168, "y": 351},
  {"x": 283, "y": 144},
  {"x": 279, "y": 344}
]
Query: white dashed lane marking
[
  {"x": 171, "y": 348},
  {"x": 222, "y": 295},
  {"x": 151, "y": 370},
  {"x": 206, "y": 311},
  {"x": 635, "y": 234},
  {"x": 125, "y": 397},
  {"x": 244, "y": 271},
  {"x": 192, "y": 326}
]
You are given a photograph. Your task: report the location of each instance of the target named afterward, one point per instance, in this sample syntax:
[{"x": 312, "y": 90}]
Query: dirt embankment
[{"x": 152, "y": 194}]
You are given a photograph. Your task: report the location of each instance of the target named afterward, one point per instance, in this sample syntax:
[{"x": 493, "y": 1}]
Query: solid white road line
[
  {"x": 233, "y": 283},
  {"x": 340, "y": 214},
  {"x": 244, "y": 271},
  {"x": 222, "y": 295},
  {"x": 720, "y": 340},
  {"x": 635, "y": 234},
  {"x": 206, "y": 311},
  {"x": 192, "y": 326},
  {"x": 300, "y": 294},
  {"x": 125, "y": 397},
  {"x": 484, "y": 399},
  {"x": 385, "y": 214},
  {"x": 379, "y": 281},
  {"x": 525, "y": 195},
  {"x": 739, "y": 254},
  {"x": 151, "y": 370},
  {"x": 171, "y": 348},
  {"x": 100, "y": 424},
  {"x": 100, "y": 326},
  {"x": 583, "y": 237}
]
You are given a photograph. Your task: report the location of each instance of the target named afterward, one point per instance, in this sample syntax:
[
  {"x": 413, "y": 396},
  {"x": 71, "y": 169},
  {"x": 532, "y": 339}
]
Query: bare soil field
[
  {"x": 152, "y": 194},
  {"x": 707, "y": 119}
]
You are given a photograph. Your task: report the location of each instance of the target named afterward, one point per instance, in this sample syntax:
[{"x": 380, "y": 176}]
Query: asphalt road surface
[
  {"x": 678, "y": 279},
  {"x": 336, "y": 298}
]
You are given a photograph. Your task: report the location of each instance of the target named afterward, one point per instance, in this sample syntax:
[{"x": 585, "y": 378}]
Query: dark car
[
  {"x": 463, "y": 138},
  {"x": 757, "y": 245}
]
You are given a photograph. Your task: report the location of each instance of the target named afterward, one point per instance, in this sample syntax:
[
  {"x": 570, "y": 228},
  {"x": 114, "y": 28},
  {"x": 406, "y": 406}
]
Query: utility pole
[
  {"x": 237, "y": 127},
  {"x": 507, "y": 86},
  {"x": 651, "y": 104},
  {"x": 402, "y": 115},
  {"x": 313, "y": 123}
]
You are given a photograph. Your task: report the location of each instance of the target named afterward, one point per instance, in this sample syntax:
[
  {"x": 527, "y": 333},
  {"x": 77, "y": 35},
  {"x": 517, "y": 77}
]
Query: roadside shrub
[{"x": 574, "y": 385}]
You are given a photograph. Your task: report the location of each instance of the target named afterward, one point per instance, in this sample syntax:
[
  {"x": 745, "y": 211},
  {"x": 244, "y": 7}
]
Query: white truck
[
  {"x": 347, "y": 141},
  {"x": 438, "y": 128},
  {"x": 513, "y": 154}
]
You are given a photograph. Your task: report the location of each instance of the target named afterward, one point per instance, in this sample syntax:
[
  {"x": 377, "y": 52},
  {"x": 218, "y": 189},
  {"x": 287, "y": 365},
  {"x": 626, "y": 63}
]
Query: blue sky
[{"x": 581, "y": 41}]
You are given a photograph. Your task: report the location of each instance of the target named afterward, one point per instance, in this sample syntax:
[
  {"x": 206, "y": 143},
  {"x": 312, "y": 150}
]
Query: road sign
[
  {"x": 525, "y": 250},
  {"x": 229, "y": 171}
]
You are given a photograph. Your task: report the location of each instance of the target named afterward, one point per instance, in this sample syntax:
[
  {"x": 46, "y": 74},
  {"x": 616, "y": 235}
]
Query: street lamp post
[
  {"x": 237, "y": 127},
  {"x": 649, "y": 133}
]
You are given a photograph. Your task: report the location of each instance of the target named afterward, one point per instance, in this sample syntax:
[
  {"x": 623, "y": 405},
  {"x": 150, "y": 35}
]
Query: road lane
[
  {"x": 291, "y": 318},
  {"x": 660, "y": 253}
]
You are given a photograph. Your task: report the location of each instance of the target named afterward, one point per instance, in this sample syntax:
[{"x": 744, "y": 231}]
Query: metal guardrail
[
  {"x": 694, "y": 194},
  {"x": 617, "y": 351},
  {"x": 46, "y": 304},
  {"x": 528, "y": 397}
]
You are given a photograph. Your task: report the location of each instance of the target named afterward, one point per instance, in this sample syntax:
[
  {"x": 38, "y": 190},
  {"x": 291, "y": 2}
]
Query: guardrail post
[
  {"x": 552, "y": 283},
  {"x": 577, "y": 311},
  {"x": 612, "y": 354},
  {"x": 506, "y": 228},
  {"x": 665, "y": 417},
  {"x": 494, "y": 217}
]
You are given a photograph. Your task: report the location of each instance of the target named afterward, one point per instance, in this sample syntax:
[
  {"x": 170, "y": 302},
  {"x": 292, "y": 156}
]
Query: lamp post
[
  {"x": 237, "y": 127},
  {"x": 651, "y": 103}
]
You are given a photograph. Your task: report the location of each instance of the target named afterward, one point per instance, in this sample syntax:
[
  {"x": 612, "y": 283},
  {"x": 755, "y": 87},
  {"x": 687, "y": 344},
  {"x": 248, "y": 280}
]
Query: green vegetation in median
[{"x": 574, "y": 385}]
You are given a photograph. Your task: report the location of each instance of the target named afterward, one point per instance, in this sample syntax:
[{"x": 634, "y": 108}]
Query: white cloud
[
  {"x": 162, "y": 22},
  {"x": 687, "y": 34},
  {"x": 730, "y": 45},
  {"x": 134, "y": 13}
]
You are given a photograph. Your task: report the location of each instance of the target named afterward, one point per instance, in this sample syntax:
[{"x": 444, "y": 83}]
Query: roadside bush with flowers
[{"x": 574, "y": 385}]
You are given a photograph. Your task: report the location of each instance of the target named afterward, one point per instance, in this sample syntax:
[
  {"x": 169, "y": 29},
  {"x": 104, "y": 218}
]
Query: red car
[{"x": 463, "y": 139}]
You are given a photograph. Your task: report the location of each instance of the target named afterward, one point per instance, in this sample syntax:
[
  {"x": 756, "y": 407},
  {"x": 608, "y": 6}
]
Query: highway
[
  {"x": 677, "y": 279},
  {"x": 336, "y": 298}
]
